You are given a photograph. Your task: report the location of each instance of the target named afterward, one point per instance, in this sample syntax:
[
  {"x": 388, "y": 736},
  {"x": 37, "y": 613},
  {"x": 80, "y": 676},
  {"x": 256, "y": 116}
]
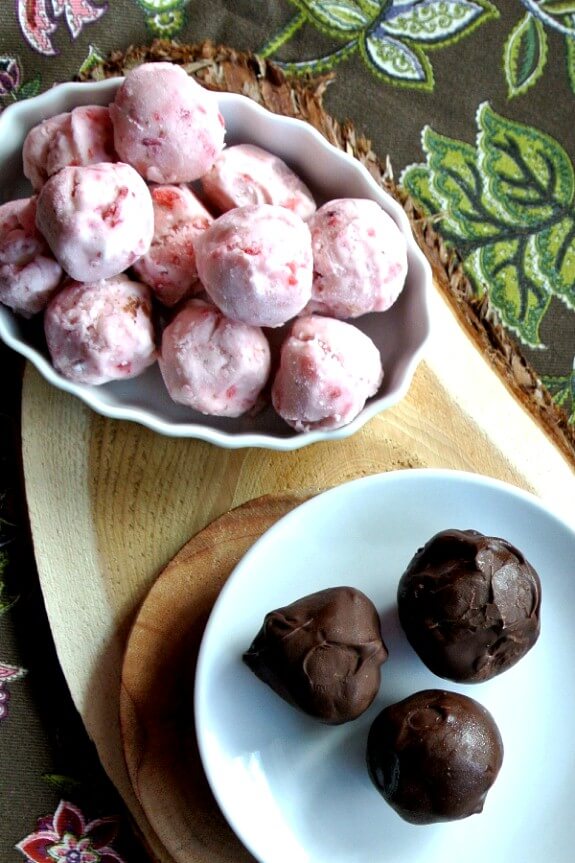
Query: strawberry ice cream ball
[
  {"x": 101, "y": 331},
  {"x": 245, "y": 174},
  {"x": 169, "y": 267},
  {"x": 256, "y": 264},
  {"x": 328, "y": 369},
  {"x": 166, "y": 125},
  {"x": 97, "y": 220},
  {"x": 29, "y": 275},
  {"x": 359, "y": 259},
  {"x": 82, "y": 137},
  {"x": 213, "y": 364}
]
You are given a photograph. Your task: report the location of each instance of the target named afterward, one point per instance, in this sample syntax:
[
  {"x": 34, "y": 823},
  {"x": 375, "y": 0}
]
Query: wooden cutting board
[{"x": 111, "y": 503}]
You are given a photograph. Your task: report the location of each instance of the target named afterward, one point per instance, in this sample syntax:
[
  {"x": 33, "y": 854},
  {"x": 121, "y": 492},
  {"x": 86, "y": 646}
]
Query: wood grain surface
[
  {"x": 156, "y": 706},
  {"x": 111, "y": 503}
]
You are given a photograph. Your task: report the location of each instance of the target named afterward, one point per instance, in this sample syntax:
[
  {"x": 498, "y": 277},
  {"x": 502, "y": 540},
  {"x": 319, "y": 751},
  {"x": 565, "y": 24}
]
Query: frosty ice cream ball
[
  {"x": 101, "y": 331},
  {"x": 328, "y": 369},
  {"x": 213, "y": 364},
  {"x": 29, "y": 275},
  {"x": 245, "y": 174},
  {"x": 169, "y": 267},
  {"x": 97, "y": 220},
  {"x": 165, "y": 124},
  {"x": 83, "y": 136},
  {"x": 359, "y": 259},
  {"x": 255, "y": 263}
]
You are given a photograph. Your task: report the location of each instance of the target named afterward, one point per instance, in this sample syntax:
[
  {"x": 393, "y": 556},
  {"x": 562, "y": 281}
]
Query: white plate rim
[{"x": 268, "y": 539}]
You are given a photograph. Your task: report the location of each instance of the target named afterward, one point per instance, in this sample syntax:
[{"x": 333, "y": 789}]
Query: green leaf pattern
[
  {"x": 525, "y": 51},
  {"x": 6, "y": 602},
  {"x": 570, "y": 58},
  {"x": 436, "y": 21},
  {"x": 515, "y": 286},
  {"x": 525, "y": 55},
  {"x": 338, "y": 18},
  {"x": 562, "y": 388},
  {"x": 508, "y": 205},
  {"x": 164, "y": 18},
  {"x": 29, "y": 88},
  {"x": 560, "y": 7},
  {"x": 395, "y": 62},
  {"x": 391, "y": 36},
  {"x": 457, "y": 184},
  {"x": 555, "y": 248},
  {"x": 530, "y": 177}
]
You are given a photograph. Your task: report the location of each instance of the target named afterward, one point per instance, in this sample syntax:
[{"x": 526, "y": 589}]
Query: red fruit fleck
[
  {"x": 292, "y": 267},
  {"x": 165, "y": 197},
  {"x": 230, "y": 392},
  {"x": 394, "y": 270},
  {"x": 308, "y": 368},
  {"x": 111, "y": 215}
]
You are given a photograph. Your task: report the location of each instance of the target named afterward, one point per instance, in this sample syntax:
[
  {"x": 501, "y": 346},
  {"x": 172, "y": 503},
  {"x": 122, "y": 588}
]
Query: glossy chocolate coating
[
  {"x": 322, "y": 653},
  {"x": 469, "y": 605},
  {"x": 434, "y": 756}
]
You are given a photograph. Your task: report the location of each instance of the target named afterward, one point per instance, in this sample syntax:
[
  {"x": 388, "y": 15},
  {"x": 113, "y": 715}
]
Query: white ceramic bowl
[{"x": 399, "y": 333}]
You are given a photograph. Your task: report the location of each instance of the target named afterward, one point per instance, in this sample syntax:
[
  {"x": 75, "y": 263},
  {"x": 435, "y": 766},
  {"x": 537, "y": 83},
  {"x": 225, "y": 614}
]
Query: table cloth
[{"x": 472, "y": 101}]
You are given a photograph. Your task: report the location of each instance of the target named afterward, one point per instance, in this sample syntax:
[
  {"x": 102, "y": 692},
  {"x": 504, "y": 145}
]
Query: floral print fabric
[
  {"x": 473, "y": 102},
  {"x": 65, "y": 837}
]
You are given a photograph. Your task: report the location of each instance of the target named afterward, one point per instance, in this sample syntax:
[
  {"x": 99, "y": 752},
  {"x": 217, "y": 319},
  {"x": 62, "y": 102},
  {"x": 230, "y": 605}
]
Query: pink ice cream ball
[
  {"x": 29, "y": 275},
  {"x": 101, "y": 331},
  {"x": 84, "y": 136},
  {"x": 213, "y": 364},
  {"x": 166, "y": 125},
  {"x": 169, "y": 267},
  {"x": 359, "y": 259},
  {"x": 245, "y": 174},
  {"x": 328, "y": 369},
  {"x": 98, "y": 220},
  {"x": 256, "y": 264}
]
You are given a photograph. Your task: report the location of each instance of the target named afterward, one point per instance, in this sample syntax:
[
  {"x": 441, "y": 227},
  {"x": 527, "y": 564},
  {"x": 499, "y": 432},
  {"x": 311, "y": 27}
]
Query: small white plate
[{"x": 296, "y": 791}]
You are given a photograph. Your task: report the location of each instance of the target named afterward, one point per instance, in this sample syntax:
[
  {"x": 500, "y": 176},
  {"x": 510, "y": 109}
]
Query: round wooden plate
[{"x": 156, "y": 700}]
